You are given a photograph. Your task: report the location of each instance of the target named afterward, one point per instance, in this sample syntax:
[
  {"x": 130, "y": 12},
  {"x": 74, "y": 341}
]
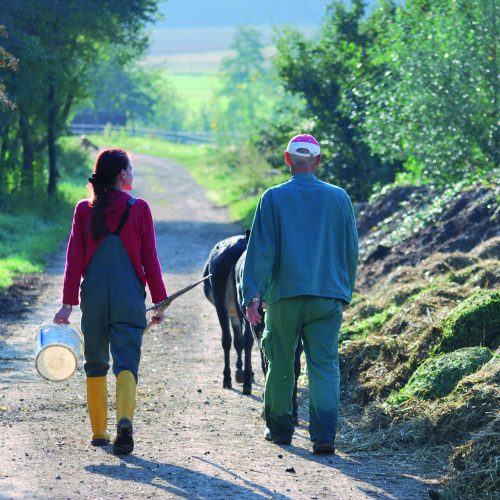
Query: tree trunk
[
  {"x": 27, "y": 176},
  {"x": 51, "y": 138}
]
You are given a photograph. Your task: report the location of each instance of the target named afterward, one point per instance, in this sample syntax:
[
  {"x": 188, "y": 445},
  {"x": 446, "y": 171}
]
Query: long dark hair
[{"x": 108, "y": 165}]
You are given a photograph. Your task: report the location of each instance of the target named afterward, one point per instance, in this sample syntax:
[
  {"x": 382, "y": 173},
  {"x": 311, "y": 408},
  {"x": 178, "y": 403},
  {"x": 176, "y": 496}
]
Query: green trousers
[{"x": 319, "y": 320}]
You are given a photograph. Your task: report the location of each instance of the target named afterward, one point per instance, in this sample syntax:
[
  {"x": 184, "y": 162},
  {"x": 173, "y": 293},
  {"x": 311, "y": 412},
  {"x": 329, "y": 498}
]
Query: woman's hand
[
  {"x": 157, "y": 318},
  {"x": 62, "y": 316},
  {"x": 159, "y": 314}
]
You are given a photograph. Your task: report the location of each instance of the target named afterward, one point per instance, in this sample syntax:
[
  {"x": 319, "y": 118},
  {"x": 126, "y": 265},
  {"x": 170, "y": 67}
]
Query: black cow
[
  {"x": 220, "y": 290},
  {"x": 258, "y": 331}
]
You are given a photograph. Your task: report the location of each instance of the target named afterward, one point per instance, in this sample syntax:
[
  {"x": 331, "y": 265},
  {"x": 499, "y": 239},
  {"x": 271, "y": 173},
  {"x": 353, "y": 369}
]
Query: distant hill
[
  {"x": 207, "y": 27},
  {"x": 195, "y": 40}
]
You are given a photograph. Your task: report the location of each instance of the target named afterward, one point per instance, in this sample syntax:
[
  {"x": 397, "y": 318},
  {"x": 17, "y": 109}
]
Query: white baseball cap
[{"x": 304, "y": 141}]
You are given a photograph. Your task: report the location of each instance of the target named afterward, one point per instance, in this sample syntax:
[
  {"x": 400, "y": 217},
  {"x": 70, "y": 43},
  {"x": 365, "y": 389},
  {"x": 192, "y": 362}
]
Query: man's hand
[{"x": 253, "y": 315}]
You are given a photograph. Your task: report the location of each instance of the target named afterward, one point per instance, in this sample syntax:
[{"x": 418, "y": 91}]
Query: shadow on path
[
  {"x": 365, "y": 470},
  {"x": 180, "y": 481}
]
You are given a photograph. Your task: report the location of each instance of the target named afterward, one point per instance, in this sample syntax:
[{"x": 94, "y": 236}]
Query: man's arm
[
  {"x": 352, "y": 249},
  {"x": 261, "y": 250}
]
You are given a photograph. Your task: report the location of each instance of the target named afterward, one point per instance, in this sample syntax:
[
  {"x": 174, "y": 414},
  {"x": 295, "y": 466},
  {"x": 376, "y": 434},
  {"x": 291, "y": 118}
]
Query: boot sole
[
  {"x": 324, "y": 449},
  {"x": 278, "y": 440},
  {"x": 124, "y": 442},
  {"x": 99, "y": 442}
]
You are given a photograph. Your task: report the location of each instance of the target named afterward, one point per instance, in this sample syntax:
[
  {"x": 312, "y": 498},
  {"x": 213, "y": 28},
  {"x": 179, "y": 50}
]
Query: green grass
[
  {"x": 192, "y": 156},
  {"x": 196, "y": 89},
  {"x": 361, "y": 329},
  {"x": 10, "y": 267},
  {"x": 28, "y": 239},
  {"x": 437, "y": 376}
]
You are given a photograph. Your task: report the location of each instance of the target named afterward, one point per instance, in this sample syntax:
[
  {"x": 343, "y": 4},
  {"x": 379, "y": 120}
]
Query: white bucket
[{"x": 57, "y": 349}]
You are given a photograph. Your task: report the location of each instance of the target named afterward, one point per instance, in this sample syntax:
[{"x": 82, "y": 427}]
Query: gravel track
[{"x": 193, "y": 438}]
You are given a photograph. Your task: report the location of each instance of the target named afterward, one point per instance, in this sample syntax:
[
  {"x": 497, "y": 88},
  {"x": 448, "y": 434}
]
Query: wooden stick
[{"x": 161, "y": 307}]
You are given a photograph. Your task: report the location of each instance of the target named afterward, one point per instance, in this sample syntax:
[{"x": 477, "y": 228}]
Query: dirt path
[{"x": 193, "y": 438}]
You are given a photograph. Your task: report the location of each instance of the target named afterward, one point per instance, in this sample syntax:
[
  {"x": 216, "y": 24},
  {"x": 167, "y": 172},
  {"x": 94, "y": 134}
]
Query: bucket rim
[
  {"x": 57, "y": 344},
  {"x": 62, "y": 326}
]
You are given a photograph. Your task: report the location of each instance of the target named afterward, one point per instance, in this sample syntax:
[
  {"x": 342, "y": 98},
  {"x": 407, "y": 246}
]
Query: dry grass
[{"x": 463, "y": 426}]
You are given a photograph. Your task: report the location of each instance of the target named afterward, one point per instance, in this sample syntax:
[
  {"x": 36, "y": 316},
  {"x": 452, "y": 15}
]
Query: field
[
  {"x": 192, "y": 58},
  {"x": 196, "y": 89}
]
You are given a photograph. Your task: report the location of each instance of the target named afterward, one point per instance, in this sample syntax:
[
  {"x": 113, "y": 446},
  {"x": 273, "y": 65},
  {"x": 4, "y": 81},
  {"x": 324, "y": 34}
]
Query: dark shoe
[
  {"x": 124, "y": 443},
  {"x": 323, "y": 447},
  {"x": 277, "y": 439},
  {"x": 99, "y": 442}
]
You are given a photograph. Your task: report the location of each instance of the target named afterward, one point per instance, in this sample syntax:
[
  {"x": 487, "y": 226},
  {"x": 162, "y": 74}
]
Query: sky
[
  {"x": 203, "y": 13},
  {"x": 206, "y": 26}
]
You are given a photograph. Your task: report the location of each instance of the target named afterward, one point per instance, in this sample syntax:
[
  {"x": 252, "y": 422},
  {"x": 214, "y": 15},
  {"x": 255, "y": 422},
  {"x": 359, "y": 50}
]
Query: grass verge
[{"x": 31, "y": 232}]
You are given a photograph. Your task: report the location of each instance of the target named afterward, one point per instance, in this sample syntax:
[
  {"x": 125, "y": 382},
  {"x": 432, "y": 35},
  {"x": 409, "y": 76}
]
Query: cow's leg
[
  {"x": 264, "y": 365},
  {"x": 238, "y": 346},
  {"x": 248, "y": 373},
  {"x": 295, "y": 409},
  {"x": 226, "y": 343}
]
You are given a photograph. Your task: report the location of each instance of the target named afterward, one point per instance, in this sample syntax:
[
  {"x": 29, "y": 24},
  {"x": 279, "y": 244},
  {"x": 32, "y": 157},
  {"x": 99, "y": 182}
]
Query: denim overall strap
[{"x": 124, "y": 217}]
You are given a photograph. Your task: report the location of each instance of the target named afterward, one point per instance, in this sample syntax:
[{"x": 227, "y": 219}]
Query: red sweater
[{"x": 138, "y": 237}]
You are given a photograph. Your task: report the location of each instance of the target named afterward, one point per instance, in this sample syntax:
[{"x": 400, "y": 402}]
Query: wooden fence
[{"x": 174, "y": 136}]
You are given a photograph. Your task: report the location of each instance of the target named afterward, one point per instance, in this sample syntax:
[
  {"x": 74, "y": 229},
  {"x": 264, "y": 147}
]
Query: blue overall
[{"x": 113, "y": 307}]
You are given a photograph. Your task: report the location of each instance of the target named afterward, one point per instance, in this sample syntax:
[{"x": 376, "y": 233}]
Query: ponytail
[{"x": 109, "y": 163}]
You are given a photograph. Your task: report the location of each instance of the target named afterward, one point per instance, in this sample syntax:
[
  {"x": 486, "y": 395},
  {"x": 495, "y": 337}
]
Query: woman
[{"x": 112, "y": 245}]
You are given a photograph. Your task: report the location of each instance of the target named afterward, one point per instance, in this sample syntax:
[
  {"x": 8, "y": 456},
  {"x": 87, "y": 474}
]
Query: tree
[
  {"x": 117, "y": 89},
  {"x": 123, "y": 90},
  {"x": 58, "y": 43},
  {"x": 7, "y": 62},
  {"x": 244, "y": 84},
  {"x": 322, "y": 71},
  {"x": 433, "y": 103}
]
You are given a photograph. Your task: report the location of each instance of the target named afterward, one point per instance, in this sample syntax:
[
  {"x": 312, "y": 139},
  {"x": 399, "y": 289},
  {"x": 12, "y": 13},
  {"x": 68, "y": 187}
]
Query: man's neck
[{"x": 295, "y": 171}]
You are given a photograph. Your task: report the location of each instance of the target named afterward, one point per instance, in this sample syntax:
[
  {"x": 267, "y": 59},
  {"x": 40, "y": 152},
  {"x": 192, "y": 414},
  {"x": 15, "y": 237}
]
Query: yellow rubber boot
[
  {"x": 125, "y": 395},
  {"x": 97, "y": 403},
  {"x": 125, "y": 405}
]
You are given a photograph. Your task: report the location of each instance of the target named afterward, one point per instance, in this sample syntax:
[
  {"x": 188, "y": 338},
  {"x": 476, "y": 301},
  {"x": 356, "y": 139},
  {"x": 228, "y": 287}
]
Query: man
[{"x": 301, "y": 263}]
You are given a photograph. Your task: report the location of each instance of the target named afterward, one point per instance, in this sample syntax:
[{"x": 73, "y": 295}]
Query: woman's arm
[
  {"x": 150, "y": 262},
  {"x": 74, "y": 268}
]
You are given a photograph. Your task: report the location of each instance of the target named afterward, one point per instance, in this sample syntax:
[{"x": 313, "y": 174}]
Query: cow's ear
[{"x": 247, "y": 235}]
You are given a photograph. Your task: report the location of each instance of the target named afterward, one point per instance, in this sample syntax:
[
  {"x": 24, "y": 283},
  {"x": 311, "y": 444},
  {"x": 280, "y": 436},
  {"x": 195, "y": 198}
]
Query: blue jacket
[{"x": 304, "y": 241}]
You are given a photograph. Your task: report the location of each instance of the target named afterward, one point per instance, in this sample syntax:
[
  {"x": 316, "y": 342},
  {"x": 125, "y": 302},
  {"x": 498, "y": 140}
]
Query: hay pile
[{"x": 420, "y": 345}]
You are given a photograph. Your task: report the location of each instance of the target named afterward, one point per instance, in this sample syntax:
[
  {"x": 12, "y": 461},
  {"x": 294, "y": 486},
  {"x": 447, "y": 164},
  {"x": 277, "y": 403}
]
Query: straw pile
[{"x": 419, "y": 353}]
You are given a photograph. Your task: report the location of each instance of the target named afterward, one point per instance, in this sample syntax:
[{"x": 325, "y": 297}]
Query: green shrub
[
  {"x": 437, "y": 376},
  {"x": 73, "y": 161}
]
